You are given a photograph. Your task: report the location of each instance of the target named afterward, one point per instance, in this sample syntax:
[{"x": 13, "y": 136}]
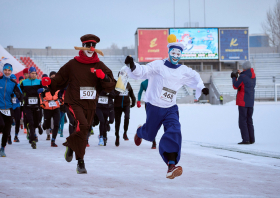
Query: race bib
[
  {"x": 125, "y": 93},
  {"x": 52, "y": 103},
  {"x": 103, "y": 100},
  {"x": 87, "y": 93},
  {"x": 14, "y": 100},
  {"x": 32, "y": 100},
  {"x": 6, "y": 112},
  {"x": 167, "y": 94}
]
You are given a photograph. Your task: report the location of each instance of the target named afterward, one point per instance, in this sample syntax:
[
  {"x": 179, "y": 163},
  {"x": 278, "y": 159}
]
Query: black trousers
[
  {"x": 103, "y": 114},
  {"x": 17, "y": 116},
  {"x": 48, "y": 115},
  {"x": 118, "y": 116},
  {"x": 5, "y": 128},
  {"x": 246, "y": 123},
  {"x": 33, "y": 116},
  {"x": 24, "y": 117}
]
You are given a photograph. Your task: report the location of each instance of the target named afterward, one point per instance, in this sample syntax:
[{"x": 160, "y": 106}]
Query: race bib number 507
[
  {"x": 87, "y": 93},
  {"x": 167, "y": 94}
]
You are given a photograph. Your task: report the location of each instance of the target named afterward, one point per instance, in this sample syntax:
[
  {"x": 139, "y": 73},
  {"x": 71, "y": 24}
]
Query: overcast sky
[{"x": 61, "y": 23}]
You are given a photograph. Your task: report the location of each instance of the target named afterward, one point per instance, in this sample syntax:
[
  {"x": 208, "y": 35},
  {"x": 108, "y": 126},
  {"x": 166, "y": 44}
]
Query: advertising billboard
[
  {"x": 234, "y": 44},
  {"x": 200, "y": 43},
  {"x": 152, "y": 44}
]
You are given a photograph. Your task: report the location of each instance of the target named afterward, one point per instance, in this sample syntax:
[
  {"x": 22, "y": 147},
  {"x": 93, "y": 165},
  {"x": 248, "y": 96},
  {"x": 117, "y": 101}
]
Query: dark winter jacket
[
  {"x": 246, "y": 88},
  {"x": 7, "y": 88},
  {"x": 29, "y": 89},
  {"x": 105, "y": 100},
  {"x": 122, "y": 99}
]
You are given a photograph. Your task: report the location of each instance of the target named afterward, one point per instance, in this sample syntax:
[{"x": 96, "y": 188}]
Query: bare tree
[{"x": 271, "y": 26}]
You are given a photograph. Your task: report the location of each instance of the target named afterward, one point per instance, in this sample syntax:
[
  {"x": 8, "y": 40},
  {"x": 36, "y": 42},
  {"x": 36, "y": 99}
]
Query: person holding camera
[{"x": 245, "y": 84}]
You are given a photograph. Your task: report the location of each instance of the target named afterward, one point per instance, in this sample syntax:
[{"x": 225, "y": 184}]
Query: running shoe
[
  {"x": 81, "y": 167},
  {"x": 174, "y": 171},
  {"x": 16, "y": 139}
]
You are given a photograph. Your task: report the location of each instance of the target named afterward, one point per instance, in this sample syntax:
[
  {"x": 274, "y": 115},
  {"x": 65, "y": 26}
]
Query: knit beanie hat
[
  {"x": 25, "y": 71},
  {"x": 20, "y": 78},
  {"x": 32, "y": 69},
  {"x": 44, "y": 75},
  {"x": 8, "y": 66},
  {"x": 52, "y": 73},
  {"x": 246, "y": 65}
]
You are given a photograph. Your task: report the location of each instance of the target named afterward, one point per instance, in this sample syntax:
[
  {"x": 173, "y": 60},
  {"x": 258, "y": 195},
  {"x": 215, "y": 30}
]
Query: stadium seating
[
  {"x": 28, "y": 62},
  {"x": 265, "y": 65}
]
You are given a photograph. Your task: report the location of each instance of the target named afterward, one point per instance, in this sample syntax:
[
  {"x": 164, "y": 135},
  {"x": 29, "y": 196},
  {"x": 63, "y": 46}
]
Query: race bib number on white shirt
[
  {"x": 52, "y": 103},
  {"x": 125, "y": 93},
  {"x": 6, "y": 112},
  {"x": 87, "y": 93},
  {"x": 167, "y": 94},
  {"x": 14, "y": 100},
  {"x": 103, "y": 100},
  {"x": 32, "y": 100}
]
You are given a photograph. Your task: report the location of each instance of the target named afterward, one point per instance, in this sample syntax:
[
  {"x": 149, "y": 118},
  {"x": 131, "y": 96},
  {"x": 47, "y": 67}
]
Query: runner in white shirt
[{"x": 165, "y": 77}]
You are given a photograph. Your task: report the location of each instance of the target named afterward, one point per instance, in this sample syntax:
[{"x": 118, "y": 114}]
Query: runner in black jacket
[
  {"x": 105, "y": 109},
  {"x": 122, "y": 104}
]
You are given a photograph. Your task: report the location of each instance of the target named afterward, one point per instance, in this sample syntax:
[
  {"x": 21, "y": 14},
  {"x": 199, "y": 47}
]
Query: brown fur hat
[{"x": 90, "y": 37}]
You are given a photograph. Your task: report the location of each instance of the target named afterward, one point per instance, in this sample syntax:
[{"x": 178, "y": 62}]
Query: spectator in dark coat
[{"x": 245, "y": 84}]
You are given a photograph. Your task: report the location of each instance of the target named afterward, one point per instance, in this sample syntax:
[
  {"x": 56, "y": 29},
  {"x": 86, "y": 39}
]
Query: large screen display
[
  {"x": 199, "y": 43},
  {"x": 152, "y": 44},
  {"x": 234, "y": 44}
]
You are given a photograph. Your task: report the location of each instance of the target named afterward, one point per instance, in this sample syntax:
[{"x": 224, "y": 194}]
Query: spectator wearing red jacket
[{"x": 245, "y": 84}]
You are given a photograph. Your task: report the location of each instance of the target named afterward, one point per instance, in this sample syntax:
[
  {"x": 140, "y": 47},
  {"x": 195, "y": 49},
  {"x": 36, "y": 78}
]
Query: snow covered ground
[{"x": 213, "y": 164}]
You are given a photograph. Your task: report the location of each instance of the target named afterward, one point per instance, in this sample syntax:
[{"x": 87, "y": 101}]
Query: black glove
[
  {"x": 234, "y": 75},
  {"x": 132, "y": 105},
  {"x": 205, "y": 91},
  {"x": 129, "y": 61}
]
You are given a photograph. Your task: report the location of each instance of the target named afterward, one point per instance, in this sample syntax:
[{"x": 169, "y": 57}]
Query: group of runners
[{"x": 84, "y": 89}]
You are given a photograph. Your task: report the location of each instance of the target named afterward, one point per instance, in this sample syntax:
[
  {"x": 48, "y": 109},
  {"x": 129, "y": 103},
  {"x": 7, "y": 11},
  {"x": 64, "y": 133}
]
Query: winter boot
[
  {"x": 81, "y": 167},
  {"x": 117, "y": 142},
  {"x": 91, "y": 132},
  {"x": 16, "y": 139},
  {"x": 105, "y": 141},
  {"x": 36, "y": 138},
  {"x": 9, "y": 140},
  {"x": 33, "y": 144},
  {"x": 53, "y": 144},
  {"x": 174, "y": 171},
  {"x": 246, "y": 142},
  {"x": 101, "y": 141},
  {"x": 25, "y": 131},
  {"x": 48, "y": 137},
  {"x": 68, "y": 154},
  {"x": 2, "y": 152},
  {"x": 154, "y": 146},
  {"x": 125, "y": 137}
]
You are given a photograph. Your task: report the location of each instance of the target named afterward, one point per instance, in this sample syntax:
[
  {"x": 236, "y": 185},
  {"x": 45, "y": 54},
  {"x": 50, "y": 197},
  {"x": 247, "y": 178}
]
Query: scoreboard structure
[{"x": 212, "y": 44}]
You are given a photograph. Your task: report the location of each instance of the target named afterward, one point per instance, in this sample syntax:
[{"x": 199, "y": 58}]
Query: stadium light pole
[
  {"x": 189, "y": 13},
  {"x": 174, "y": 11},
  {"x": 204, "y": 15}
]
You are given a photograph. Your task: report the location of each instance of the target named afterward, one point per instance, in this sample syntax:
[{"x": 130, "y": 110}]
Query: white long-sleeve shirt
[{"x": 165, "y": 80}]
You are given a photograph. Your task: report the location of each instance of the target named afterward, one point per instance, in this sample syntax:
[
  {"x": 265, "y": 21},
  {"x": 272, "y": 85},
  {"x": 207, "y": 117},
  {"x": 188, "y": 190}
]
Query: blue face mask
[{"x": 174, "y": 55}]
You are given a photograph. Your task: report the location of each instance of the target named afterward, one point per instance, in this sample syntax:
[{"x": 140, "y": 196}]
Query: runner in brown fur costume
[{"x": 85, "y": 76}]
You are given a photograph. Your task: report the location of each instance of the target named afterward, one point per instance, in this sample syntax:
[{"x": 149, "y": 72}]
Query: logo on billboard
[
  {"x": 153, "y": 43},
  {"x": 233, "y": 42}
]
